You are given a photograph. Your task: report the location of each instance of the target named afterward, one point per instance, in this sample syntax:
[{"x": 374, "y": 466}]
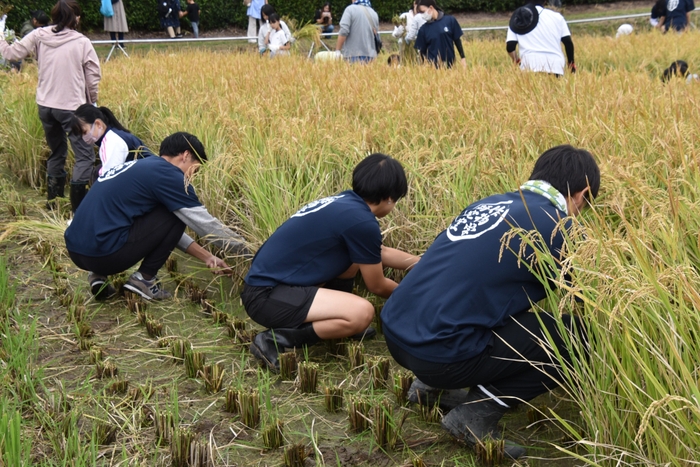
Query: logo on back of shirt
[
  {"x": 477, "y": 220},
  {"x": 447, "y": 29},
  {"x": 316, "y": 205},
  {"x": 672, "y": 5},
  {"x": 114, "y": 171}
]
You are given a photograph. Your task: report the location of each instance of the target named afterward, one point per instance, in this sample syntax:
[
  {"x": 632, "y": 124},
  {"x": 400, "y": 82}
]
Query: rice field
[{"x": 127, "y": 383}]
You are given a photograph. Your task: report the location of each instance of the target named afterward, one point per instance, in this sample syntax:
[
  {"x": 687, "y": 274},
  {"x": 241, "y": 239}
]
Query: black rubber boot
[
  {"x": 54, "y": 189},
  {"x": 477, "y": 419},
  {"x": 267, "y": 345},
  {"x": 447, "y": 399},
  {"x": 78, "y": 190}
]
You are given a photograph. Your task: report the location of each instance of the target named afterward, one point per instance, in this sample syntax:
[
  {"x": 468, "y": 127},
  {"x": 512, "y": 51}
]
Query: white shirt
[
  {"x": 277, "y": 39},
  {"x": 540, "y": 49},
  {"x": 413, "y": 26},
  {"x": 113, "y": 151}
]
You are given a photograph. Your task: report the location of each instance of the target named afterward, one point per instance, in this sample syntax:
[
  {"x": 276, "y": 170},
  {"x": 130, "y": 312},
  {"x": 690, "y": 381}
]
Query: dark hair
[
  {"x": 40, "y": 17},
  {"x": 428, "y": 3},
  {"x": 267, "y": 10},
  {"x": 394, "y": 59},
  {"x": 677, "y": 68},
  {"x": 65, "y": 15},
  {"x": 274, "y": 18},
  {"x": 88, "y": 113},
  {"x": 327, "y": 4},
  {"x": 569, "y": 170},
  {"x": 179, "y": 142},
  {"x": 378, "y": 177}
]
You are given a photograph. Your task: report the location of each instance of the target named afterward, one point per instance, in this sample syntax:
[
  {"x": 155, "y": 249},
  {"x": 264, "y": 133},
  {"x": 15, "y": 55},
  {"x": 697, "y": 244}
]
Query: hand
[
  {"x": 181, "y": 14},
  {"x": 218, "y": 266},
  {"x": 572, "y": 67}
]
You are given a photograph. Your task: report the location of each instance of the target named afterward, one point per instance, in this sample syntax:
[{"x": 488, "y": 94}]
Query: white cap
[{"x": 624, "y": 30}]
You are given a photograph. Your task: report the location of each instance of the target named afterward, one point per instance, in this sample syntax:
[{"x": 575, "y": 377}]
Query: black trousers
[
  {"x": 515, "y": 365},
  {"x": 152, "y": 238},
  {"x": 57, "y": 127}
]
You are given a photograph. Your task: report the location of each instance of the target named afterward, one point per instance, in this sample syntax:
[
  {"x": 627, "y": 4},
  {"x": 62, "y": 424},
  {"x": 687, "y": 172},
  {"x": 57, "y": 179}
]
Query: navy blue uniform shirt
[
  {"x": 319, "y": 243},
  {"x": 101, "y": 224},
  {"x": 676, "y": 13},
  {"x": 436, "y": 40},
  {"x": 445, "y": 308}
]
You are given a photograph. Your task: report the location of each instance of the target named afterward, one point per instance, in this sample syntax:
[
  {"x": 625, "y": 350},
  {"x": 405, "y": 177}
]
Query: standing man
[
  {"x": 301, "y": 281},
  {"x": 539, "y": 33},
  {"x": 356, "y": 36},
  {"x": 461, "y": 318},
  {"x": 138, "y": 211},
  {"x": 677, "y": 15},
  {"x": 439, "y": 36}
]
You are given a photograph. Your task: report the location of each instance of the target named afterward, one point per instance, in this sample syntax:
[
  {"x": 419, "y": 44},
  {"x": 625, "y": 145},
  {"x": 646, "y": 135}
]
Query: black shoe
[
  {"x": 78, "y": 191},
  {"x": 179, "y": 35},
  {"x": 422, "y": 394},
  {"x": 368, "y": 333},
  {"x": 99, "y": 287},
  {"x": 477, "y": 419},
  {"x": 267, "y": 345},
  {"x": 54, "y": 189}
]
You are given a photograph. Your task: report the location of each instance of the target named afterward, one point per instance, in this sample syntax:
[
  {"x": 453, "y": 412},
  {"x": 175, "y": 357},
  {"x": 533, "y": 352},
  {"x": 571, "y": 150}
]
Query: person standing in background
[
  {"x": 539, "y": 33},
  {"x": 253, "y": 12},
  {"x": 38, "y": 20},
  {"x": 116, "y": 24},
  {"x": 356, "y": 35},
  {"x": 439, "y": 36},
  {"x": 192, "y": 13},
  {"x": 69, "y": 75},
  {"x": 677, "y": 15},
  {"x": 169, "y": 13},
  {"x": 324, "y": 19}
]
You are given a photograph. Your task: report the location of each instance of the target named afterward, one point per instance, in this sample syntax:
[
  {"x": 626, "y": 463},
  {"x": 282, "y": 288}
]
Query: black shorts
[{"x": 282, "y": 306}]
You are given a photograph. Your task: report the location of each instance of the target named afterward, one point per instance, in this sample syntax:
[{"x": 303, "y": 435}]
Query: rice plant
[
  {"x": 333, "y": 398},
  {"x": 249, "y": 407},
  {"x": 386, "y": 427},
  {"x": 379, "y": 372},
  {"x": 179, "y": 348},
  {"x": 154, "y": 328},
  {"x": 356, "y": 356},
  {"x": 490, "y": 451},
  {"x": 106, "y": 369},
  {"x": 272, "y": 435},
  {"x": 402, "y": 383},
  {"x": 288, "y": 365},
  {"x": 308, "y": 377},
  {"x": 359, "y": 413},
  {"x": 294, "y": 455},
  {"x": 213, "y": 376},
  {"x": 194, "y": 362},
  {"x": 231, "y": 403}
]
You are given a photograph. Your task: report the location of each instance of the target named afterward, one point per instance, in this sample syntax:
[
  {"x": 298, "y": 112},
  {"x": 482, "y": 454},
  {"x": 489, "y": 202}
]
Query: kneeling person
[
  {"x": 138, "y": 211},
  {"x": 301, "y": 280},
  {"x": 461, "y": 319}
]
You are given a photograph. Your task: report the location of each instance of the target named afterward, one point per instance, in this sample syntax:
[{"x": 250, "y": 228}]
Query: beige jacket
[{"x": 69, "y": 70}]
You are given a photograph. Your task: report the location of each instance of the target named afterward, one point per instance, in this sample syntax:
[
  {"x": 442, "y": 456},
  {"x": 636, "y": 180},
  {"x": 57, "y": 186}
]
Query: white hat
[{"x": 624, "y": 30}]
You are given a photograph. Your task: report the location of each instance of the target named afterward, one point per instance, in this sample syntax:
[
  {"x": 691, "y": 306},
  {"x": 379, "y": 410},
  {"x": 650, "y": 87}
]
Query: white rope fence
[{"x": 245, "y": 38}]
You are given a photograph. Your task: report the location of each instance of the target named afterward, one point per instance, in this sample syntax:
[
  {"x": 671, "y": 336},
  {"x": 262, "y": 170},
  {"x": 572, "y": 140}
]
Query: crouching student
[
  {"x": 301, "y": 280},
  {"x": 138, "y": 211},
  {"x": 461, "y": 318}
]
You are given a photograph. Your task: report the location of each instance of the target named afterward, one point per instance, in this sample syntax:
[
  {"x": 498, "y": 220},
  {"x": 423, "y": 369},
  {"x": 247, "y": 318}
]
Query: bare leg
[{"x": 337, "y": 314}]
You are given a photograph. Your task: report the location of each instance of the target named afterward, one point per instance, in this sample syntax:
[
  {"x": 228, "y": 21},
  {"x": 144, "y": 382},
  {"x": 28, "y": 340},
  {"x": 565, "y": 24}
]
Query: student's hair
[
  {"x": 41, "y": 17},
  {"x": 394, "y": 59},
  {"x": 569, "y": 170},
  {"x": 179, "y": 142},
  {"x": 428, "y": 3},
  {"x": 88, "y": 113},
  {"x": 327, "y": 4},
  {"x": 379, "y": 177},
  {"x": 65, "y": 15},
  {"x": 267, "y": 10},
  {"x": 274, "y": 18},
  {"x": 678, "y": 68}
]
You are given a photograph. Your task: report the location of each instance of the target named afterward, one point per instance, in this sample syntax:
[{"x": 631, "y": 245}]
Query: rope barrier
[{"x": 245, "y": 38}]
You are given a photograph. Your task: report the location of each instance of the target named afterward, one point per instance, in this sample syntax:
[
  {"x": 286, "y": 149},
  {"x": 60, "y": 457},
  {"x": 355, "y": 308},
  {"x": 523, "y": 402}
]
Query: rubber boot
[
  {"x": 78, "y": 190},
  {"x": 477, "y": 419},
  {"x": 54, "y": 189},
  {"x": 422, "y": 394},
  {"x": 267, "y": 345}
]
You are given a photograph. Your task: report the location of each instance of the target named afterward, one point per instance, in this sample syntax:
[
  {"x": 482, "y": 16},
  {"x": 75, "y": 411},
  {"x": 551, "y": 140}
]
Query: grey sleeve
[
  {"x": 184, "y": 243},
  {"x": 212, "y": 230}
]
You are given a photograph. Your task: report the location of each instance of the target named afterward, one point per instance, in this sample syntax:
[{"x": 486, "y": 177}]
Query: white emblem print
[
  {"x": 447, "y": 29},
  {"x": 672, "y": 5},
  {"x": 477, "y": 220},
  {"x": 114, "y": 171},
  {"x": 316, "y": 205}
]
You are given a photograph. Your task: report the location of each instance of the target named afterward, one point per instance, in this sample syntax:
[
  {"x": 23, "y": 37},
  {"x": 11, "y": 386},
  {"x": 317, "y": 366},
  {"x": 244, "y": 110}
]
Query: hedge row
[{"x": 142, "y": 14}]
